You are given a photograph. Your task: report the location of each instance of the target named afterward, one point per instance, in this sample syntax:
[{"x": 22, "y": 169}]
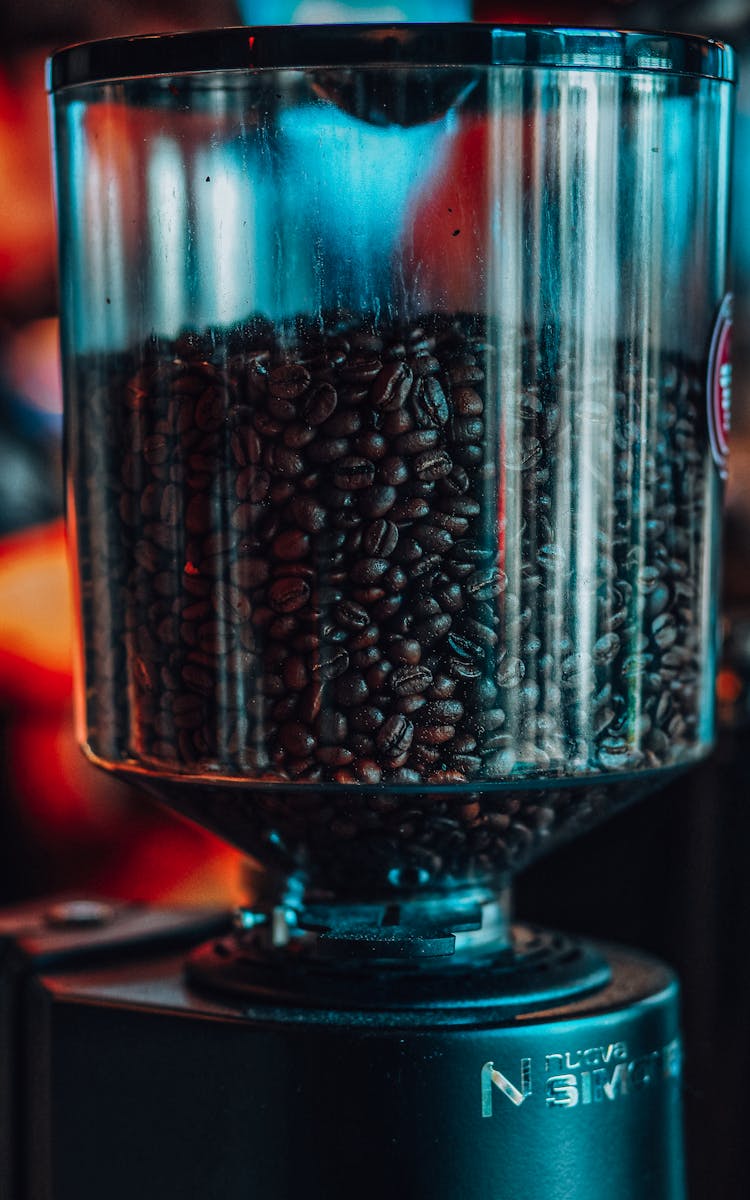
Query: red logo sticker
[{"x": 719, "y": 385}]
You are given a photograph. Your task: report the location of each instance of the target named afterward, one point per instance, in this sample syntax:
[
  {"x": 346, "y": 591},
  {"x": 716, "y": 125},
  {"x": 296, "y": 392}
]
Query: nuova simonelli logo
[
  {"x": 719, "y": 385},
  {"x": 595, "y": 1075}
]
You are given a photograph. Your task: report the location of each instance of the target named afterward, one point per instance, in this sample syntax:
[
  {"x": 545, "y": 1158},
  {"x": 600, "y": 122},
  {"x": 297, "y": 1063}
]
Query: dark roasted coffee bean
[
  {"x": 478, "y": 632},
  {"x": 376, "y": 501},
  {"x": 288, "y": 381},
  {"x": 327, "y": 450},
  {"x": 410, "y": 680},
  {"x": 510, "y": 672},
  {"x": 457, "y": 484},
  {"x": 296, "y": 738},
  {"x": 606, "y": 649},
  {"x": 352, "y": 473},
  {"x": 425, "y": 606},
  {"x": 395, "y": 736},
  {"x": 393, "y": 471},
  {"x": 210, "y": 409},
  {"x": 433, "y": 629},
  {"x": 456, "y": 526},
  {"x": 442, "y": 712},
  {"x": 380, "y": 538},
  {"x": 345, "y": 423},
  {"x": 394, "y": 424},
  {"x": 467, "y": 431},
  {"x": 461, "y": 505},
  {"x": 252, "y": 484},
  {"x": 291, "y": 546},
  {"x": 308, "y": 514},
  {"x": 351, "y": 689},
  {"x": 432, "y": 537},
  {"x": 391, "y": 387},
  {"x": 365, "y": 658},
  {"x": 370, "y": 445},
  {"x": 429, "y": 403},
  {"x": 423, "y": 363},
  {"x": 351, "y": 615},
  {"x": 435, "y": 735},
  {"x": 251, "y": 572},
  {"x": 408, "y": 509},
  {"x": 664, "y": 631},
  {"x": 468, "y": 551},
  {"x": 416, "y": 442},
  {"x": 288, "y": 594},
  {"x": 395, "y": 579},
  {"x": 368, "y": 570},
  {"x": 408, "y": 551},
  {"x": 486, "y": 583},
  {"x": 297, "y": 435},
  {"x": 334, "y": 756},
  {"x": 404, "y": 650},
  {"x": 319, "y": 404},
  {"x": 467, "y": 402},
  {"x": 361, "y": 368},
  {"x": 367, "y": 718}
]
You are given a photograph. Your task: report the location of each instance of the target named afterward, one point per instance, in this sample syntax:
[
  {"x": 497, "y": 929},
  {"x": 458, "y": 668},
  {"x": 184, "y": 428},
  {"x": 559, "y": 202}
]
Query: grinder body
[{"x": 127, "y": 1081}]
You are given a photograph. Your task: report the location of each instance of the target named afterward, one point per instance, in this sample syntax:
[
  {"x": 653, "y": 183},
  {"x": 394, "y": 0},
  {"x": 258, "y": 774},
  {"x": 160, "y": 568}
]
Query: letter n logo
[{"x": 492, "y": 1078}]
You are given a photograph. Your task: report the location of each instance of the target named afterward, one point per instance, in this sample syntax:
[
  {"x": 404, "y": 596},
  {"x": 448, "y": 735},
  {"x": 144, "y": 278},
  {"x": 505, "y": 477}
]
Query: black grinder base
[{"x": 555, "y": 1078}]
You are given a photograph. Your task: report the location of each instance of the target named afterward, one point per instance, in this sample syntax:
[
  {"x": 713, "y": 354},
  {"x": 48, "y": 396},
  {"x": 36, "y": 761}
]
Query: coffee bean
[
  {"x": 288, "y": 381},
  {"x": 361, "y": 368},
  {"x": 393, "y": 471},
  {"x": 380, "y": 538},
  {"x": 510, "y": 671},
  {"x": 291, "y": 546},
  {"x": 367, "y": 718},
  {"x": 429, "y": 403},
  {"x": 351, "y": 689},
  {"x": 351, "y": 615},
  {"x": 251, "y": 572},
  {"x": 417, "y": 442},
  {"x": 309, "y": 515},
  {"x": 664, "y": 631},
  {"x": 410, "y": 680},
  {"x": 368, "y": 570},
  {"x": 331, "y": 663},
  {"x": 334, "y": 756},
  {"x": 353, "y": 474},
  {"x": 288, "y": 594},
  {"x": 395, "y": 736},
  {"x": 432, "y": 538},
  {"x": 296, "y": 738},
  {"x": 391, "y": 387},
  {"x": 433, "y": 629},
  {"x": 376, "y": 501},
  {"x": 486, "y": 583},
  {"x": 606, "y": 649},
  {"x": 210, "y": 409},
  {"x": 404, "y": 651},
  {"x": 409, "y": 509},
  {"x": 467, "y": 402}
]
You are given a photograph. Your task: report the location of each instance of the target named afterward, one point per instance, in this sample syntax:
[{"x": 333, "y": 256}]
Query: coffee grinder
[{"x": 397, "y": 375}]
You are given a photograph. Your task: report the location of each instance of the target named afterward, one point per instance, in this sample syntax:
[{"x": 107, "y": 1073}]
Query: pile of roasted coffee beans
[{"x": 336, "y": 556}]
